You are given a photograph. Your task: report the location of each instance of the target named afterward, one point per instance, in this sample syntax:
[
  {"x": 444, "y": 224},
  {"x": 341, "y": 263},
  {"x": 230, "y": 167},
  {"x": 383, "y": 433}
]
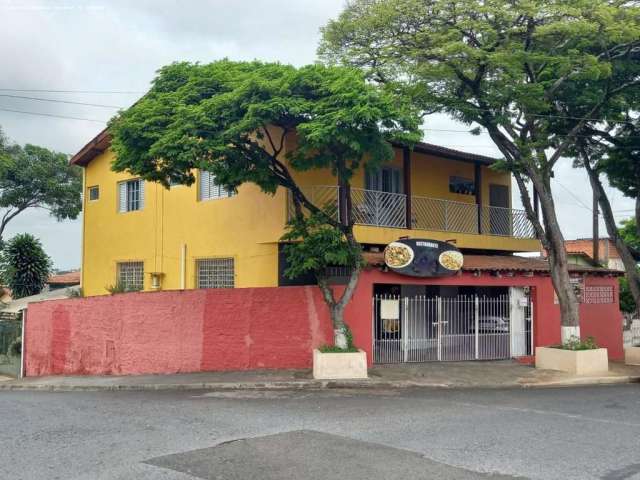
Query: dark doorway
[{"x": 499, "y": 214}]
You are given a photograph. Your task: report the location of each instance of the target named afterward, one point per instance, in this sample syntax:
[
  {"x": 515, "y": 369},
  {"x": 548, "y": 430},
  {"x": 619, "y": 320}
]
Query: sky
[{"x": 99, "y": 46}]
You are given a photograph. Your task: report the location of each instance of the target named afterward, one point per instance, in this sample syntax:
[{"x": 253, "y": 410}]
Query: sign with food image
[{"x": 423, "y": 258}]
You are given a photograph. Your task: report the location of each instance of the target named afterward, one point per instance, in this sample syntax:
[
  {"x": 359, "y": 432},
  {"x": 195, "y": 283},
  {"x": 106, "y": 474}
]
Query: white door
[{"x": 517, "y": 329}]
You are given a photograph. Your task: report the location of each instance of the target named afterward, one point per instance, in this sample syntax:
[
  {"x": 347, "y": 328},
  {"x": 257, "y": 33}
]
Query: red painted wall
[
  {"x": 248, "y": 328},
  {"x": 602, "y": 321},
  {"x": 176, "y": 331}
]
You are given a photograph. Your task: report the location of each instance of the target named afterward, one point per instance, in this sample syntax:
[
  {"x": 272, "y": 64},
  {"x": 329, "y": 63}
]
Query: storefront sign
[{"x": 423, "y": 258}]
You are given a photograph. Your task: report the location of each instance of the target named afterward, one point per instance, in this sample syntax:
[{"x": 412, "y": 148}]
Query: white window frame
[
  {"x": 137, "y": 267},
  {"x": 93, "y": 188},
  {"x": 126, "y": 196},
  {"x": 220, "y": 272},
  {"x": 208, "y": 189}
]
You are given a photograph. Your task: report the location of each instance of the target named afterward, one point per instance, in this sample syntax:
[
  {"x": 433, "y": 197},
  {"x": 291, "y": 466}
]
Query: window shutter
[
  {"x": 141, "y": 190},
  {"x": 122, "y": 197},
  {"x": 205, "y": 190}
]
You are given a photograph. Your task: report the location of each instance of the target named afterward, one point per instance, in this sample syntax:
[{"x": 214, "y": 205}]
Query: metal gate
[{"x": 463, "y": 327}]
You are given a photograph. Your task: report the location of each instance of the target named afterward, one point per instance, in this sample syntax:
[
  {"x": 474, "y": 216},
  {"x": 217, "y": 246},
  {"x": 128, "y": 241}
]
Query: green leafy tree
[
  {"x": 235, "y": 119},
  {"x": 629, "y": 233},
  {"x": 25, "y": 265},
  {"x": 510, "y": 67},
  {"x": 34, "y": 177}
]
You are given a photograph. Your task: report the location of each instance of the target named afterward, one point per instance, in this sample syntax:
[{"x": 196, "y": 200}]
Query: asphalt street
[{"x": 570, "y": 433}]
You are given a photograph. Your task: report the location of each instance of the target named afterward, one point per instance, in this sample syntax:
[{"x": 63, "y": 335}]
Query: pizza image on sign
[
  {"x": 451, "y": 260},
  {"x": 398, "y": 255},
  {"x": 423, "y": 258}
]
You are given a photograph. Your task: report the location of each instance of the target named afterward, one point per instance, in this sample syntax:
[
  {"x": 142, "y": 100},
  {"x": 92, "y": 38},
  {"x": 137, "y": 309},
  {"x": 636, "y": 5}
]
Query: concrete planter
[
  {"x": 632, "y": 355},
  {"x": 333, "y": 366},
  {"x": 578, "y": 362}
]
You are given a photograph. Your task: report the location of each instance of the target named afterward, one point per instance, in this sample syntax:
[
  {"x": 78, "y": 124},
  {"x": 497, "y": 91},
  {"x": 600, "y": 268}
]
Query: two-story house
[
  {"x": 143, "y": 236},
  {"x": 139, "y": 235}
]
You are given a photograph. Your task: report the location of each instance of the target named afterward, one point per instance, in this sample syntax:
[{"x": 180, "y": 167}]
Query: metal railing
[
  {"x": 384, "y": 209},
  {"x": 443, "y": 215},
  {"x": 464, "y": 327}
]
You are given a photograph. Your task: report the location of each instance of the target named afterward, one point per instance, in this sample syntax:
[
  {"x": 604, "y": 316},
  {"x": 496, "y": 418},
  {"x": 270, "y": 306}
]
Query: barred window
[
  {"x": 130, "y": 195},
  {"x": 209, "y": 189},
  {"x": 131, "y": 275},
  {"x": 598, "y": 294},
  {"x": 94, "y": 193},
  {"x": 215, "y": 273}
]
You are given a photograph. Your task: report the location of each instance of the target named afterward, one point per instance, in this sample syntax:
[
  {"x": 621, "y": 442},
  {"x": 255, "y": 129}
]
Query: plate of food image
[
  {"x": 398, "y": 255},
  {"x": 451, "y": 260}
]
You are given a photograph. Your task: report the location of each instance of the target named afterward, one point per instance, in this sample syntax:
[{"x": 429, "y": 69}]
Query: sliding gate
[{"x": 464, "y": 327}]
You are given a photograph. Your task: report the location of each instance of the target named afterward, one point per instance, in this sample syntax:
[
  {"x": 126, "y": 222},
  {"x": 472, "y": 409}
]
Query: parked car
[{"x": 493, "y": 324}]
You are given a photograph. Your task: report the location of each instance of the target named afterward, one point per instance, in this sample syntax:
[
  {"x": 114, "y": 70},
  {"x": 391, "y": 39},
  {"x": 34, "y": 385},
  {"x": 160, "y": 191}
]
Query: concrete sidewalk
[{"x": 491, "y": 374}]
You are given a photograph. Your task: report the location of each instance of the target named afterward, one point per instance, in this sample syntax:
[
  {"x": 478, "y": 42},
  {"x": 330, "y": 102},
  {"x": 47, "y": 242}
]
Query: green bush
[
  {"x": 334, "y": 349},
  {"x": 120, "y": 287},
  {"x": 574, "y": 343}
]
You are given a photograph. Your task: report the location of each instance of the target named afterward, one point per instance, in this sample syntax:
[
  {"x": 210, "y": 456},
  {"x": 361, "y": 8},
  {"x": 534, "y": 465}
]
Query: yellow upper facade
[{"x": 199, "y": 236}]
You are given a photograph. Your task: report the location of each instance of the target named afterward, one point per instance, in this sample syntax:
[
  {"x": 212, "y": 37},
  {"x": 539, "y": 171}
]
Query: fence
[
  {"x": 465, "y": 327},
  {"x": 385, "y": 209},
  {"x": 10, "y": 347}
]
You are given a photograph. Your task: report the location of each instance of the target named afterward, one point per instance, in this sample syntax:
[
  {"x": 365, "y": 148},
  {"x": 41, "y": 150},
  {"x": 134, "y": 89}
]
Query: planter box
[
  {"x": 632, "y": 355},
  {"x": 579, "y": 362},
  {"x": 333, "y": 366}
]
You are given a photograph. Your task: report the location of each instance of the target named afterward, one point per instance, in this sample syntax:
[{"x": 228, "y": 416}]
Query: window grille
[
  {"x": 130, "y": 195},
  {"x": 598, "y": 294},
  {"x": 215, "y": 273},
  {"x": 94, "y": 193},
  {"x": 131, "y": 275},
  {"x": 209, "y": 189}
]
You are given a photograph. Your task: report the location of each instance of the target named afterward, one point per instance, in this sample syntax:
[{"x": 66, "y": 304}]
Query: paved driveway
[{"x": 577, "y": 433}]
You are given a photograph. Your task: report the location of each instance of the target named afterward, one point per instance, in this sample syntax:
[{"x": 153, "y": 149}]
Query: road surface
[{"x": 570, "y": 433}]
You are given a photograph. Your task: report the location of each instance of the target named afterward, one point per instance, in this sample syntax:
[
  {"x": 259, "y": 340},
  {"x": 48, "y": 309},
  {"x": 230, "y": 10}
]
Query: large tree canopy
[
  {"x": 517, "y": 68},
  {"x": 34, "y": 177},
  {"x": 235, "y": 120}
]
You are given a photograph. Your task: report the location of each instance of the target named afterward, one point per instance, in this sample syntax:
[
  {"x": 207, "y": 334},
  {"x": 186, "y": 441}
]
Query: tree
[
  {"x": 507, "y": 66},
  {"x": 628, "y": 231},
  {"x": 25, "y": 265},
  {"x": 34, "y": 177},
  {"x": 235, "y": 119}
]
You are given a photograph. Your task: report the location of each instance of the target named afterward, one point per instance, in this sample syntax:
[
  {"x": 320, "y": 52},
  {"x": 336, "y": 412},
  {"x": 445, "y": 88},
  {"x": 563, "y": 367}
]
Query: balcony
[{"x": 385, "y": 209}]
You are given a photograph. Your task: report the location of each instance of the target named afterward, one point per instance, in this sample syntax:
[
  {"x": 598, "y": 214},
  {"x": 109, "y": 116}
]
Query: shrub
[
  {"x": 574, "y": 343},
  {"x": 120, "y": 287}
]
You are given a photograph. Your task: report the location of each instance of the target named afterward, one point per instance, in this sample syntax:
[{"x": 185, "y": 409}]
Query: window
[
  {"x": 385, "y": 179},
  {"x": 131, "y": 275},
  {"x": 209, "y": 189},
  {"x": 463, "y": 186},
  {"x": 130, "y": 195},
  {"x": 94, "y": 193},
  {"x": 215, "y": 273}
]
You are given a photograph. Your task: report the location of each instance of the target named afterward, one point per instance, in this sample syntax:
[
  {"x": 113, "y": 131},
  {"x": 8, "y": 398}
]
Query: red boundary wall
[
  {"x": 249, "y": 328},
  {"x": 176, "y": 331}
]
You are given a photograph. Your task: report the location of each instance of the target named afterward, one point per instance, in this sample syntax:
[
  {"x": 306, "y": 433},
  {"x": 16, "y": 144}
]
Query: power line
[
  {"x": 51, "y": 115},
  {"x": 97, "y": 92},
  {"x": 21, "y": 97},
  {"x": 575, "y": 197}
]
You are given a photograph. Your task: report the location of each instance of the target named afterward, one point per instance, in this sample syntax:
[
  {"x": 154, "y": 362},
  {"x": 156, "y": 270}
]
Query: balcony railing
[{"x": 386, "y": 209}]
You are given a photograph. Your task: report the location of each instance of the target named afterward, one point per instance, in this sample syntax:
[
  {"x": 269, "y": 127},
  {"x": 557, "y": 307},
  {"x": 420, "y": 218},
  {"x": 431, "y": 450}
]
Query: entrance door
[
  {"x": 499, "y": 212},
  {"x": 422, "y": 328}
]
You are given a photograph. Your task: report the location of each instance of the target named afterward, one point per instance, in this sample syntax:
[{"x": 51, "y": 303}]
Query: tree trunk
[
  {"x": 558, "y": 264},
  {"x": 336, "y": 307},
  {"x": 631, "y": 269}
]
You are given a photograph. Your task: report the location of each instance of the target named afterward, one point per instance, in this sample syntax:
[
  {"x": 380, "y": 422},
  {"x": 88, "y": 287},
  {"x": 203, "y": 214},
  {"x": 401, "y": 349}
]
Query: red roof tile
[
  {"x": 65, "y": 278},
  {"x": 502, "y": 263}
]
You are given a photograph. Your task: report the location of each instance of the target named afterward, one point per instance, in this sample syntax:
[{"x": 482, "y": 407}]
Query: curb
[{"x": 308, "y": 385}]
